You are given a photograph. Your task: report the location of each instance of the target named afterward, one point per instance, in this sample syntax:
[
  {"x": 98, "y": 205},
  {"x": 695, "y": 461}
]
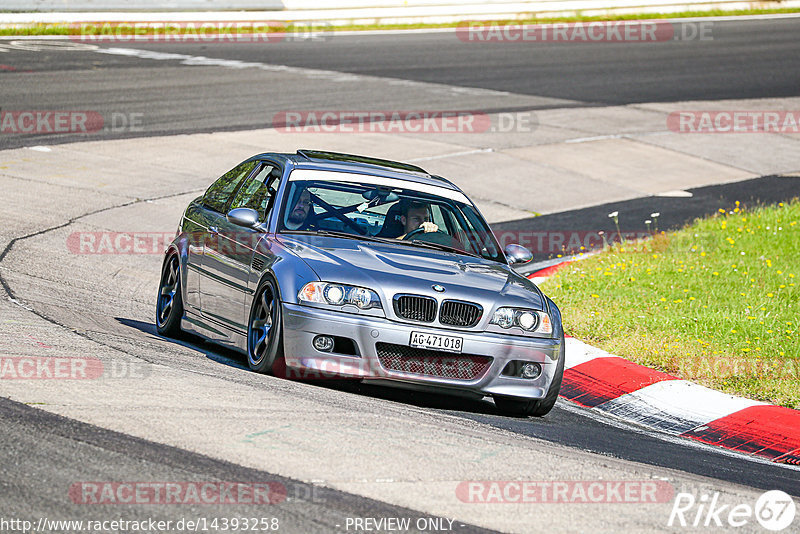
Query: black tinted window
[
  {"x": 220, "y": 192},
  {"x": 257, "y": 192}
]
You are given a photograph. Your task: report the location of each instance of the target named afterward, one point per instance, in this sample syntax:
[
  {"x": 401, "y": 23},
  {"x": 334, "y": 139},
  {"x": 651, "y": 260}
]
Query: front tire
[
  {"x": 169, "y": 303},
  {"x": 536, "y": 407},
  {"x": 265, "y": 328}
]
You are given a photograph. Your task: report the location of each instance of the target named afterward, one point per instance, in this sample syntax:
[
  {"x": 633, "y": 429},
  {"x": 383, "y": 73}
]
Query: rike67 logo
[{"x": 774, "y": 510}]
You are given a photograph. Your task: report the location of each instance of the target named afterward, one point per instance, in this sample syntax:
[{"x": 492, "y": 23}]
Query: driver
[
  {"x": 297, "y": 217},
  {"x": 416, "y": 215}
]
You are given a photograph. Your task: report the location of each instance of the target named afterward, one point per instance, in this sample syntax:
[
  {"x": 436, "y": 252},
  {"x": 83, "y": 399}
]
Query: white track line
[{"x": 675, "y": 406}]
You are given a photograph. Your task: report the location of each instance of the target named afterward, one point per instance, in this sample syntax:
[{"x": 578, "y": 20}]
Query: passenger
[{"x": 298, "y": 217}]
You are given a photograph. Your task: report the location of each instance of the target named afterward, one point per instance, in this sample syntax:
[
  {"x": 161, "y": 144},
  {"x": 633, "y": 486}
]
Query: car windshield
[{"x": 376, "y": 208}]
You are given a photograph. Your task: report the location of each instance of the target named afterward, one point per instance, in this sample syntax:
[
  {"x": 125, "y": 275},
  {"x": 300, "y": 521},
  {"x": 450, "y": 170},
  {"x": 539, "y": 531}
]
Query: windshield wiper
[
  {"x": 439, "y": 246},
  {"x": 334, "y": 233}
]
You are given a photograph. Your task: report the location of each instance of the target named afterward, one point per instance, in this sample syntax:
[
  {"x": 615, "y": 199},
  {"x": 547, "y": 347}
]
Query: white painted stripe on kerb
[
  {"x": 675, "y": 406},
  {"x": 578, "y": 352}
]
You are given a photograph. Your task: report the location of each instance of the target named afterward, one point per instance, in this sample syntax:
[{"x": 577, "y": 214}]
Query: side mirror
[
  {"x": 243, "y": 217},
  {"x": 517, "y": 254}
]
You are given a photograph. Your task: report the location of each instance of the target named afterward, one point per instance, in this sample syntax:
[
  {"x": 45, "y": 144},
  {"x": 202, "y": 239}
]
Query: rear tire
[
  {"x": 265, "y": 329},
  {"x": 169, "y": 302},
  {"x": 536, "y": 407}
]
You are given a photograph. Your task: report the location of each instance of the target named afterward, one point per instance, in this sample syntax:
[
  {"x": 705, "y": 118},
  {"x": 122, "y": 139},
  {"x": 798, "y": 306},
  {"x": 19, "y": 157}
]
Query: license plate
[{"x": 436, "y": 342}]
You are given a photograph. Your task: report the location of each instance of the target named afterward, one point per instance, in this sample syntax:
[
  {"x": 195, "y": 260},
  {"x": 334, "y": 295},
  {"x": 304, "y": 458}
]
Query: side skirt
[{"x": 194, "y": 323}]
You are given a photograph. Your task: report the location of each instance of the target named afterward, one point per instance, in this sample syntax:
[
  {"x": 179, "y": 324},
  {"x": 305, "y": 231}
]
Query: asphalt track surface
[
  {"x": 745, "y": 60},
  {"x": 50, "y": 452},
  {"x": 753, "y": 59}
]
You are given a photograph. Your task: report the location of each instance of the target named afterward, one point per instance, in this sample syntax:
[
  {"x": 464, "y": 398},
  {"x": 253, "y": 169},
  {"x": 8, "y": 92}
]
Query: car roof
[{"x": 337, "y": 161}]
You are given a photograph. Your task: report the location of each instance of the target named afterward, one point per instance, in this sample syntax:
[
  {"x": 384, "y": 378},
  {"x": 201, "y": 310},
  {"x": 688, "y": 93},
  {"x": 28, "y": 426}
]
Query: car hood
[{"x": 391, "y": 269}]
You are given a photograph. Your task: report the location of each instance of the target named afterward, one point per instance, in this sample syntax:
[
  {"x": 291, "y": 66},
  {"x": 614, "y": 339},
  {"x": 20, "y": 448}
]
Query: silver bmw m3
[{"x": 319, "y": 264}]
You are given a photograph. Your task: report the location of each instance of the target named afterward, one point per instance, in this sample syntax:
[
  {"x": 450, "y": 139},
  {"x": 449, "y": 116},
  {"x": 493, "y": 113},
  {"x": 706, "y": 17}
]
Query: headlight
[
  {"x": 528, "y": 320},
  {"x": 503, "y": 317},
  {"x": 339, "y": 295},
  {"x": 334, "y": 294}
]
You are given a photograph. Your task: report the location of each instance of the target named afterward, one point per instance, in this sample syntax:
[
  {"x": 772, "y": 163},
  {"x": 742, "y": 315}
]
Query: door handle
[{"x": 213, "y": 230}]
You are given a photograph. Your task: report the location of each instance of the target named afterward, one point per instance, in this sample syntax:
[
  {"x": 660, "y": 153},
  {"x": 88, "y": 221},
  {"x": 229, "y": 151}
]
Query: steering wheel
[
  {"x": 414, "y": 233},
  {"x": 314, "y": 220}
]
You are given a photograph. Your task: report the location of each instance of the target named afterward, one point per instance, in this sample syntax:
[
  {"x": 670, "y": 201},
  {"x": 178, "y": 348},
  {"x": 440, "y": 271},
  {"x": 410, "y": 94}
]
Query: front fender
[{"x": 289, "y": 271}]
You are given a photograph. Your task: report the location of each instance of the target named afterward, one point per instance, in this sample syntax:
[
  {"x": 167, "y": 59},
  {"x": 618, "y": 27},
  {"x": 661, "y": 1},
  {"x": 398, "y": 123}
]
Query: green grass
[
  {"x": 717, "y": 302},
  {"x": 66, "y": 29}
]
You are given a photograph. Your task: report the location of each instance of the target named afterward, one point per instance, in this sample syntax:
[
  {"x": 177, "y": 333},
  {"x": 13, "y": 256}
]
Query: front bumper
[{"x": 303, "y": 323}]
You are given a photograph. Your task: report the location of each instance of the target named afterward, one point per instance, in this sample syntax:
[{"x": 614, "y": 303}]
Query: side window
[
  {"x": 438, "y": 218},
  {"x": 258, "y": 191},
  {"x": 454, "y": 229},
  {"x": 481, "y": 233},
  {"x": 218, "y": 195}
]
